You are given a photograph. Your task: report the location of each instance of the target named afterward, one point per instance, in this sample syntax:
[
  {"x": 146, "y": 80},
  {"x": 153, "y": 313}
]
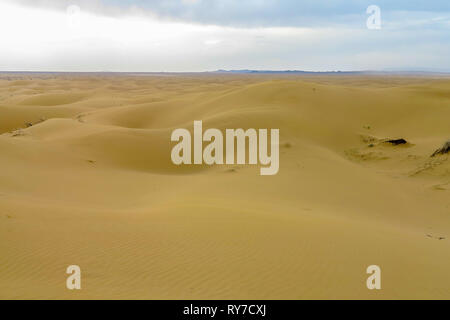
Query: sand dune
[{"x": 86, "y": 179}]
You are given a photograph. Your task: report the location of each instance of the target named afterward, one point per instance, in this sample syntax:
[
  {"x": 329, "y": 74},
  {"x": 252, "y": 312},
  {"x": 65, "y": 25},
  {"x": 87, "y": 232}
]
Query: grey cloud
[{"x": 251, "y": 13}]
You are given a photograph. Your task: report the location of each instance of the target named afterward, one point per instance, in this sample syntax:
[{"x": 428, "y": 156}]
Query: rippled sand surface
[{"x": 86, "y": 179}]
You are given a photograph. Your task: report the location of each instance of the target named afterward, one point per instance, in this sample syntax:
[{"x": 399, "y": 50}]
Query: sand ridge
[{"x": 86, "y": 178}]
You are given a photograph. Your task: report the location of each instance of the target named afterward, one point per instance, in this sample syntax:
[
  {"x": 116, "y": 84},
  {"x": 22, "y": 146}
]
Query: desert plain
[{"x": 86, "y": 179}]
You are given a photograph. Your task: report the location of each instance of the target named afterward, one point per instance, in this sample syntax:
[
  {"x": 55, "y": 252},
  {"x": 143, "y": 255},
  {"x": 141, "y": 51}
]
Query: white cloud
[{"x": 38, "y": 39}]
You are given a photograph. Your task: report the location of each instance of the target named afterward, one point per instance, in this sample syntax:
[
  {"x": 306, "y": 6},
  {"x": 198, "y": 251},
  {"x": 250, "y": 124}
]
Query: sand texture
[{"x": 86, "y": 179}]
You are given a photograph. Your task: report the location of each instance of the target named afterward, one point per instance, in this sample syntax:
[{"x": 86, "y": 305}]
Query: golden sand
[{"x": 86, "y": 179}]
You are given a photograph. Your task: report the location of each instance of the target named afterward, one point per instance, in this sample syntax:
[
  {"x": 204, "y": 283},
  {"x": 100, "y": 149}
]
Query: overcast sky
[{"x": 203, "y": 35}]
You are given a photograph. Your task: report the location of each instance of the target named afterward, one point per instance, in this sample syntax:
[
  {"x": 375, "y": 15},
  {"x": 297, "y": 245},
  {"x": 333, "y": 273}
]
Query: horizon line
[{"x": 236, "y": 71}]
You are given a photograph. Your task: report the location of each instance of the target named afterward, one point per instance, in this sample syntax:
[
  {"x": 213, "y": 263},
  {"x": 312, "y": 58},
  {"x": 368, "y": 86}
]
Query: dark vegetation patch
[
  {"x": 396, "y": 142},
  {"x": 444, "y": 150}
]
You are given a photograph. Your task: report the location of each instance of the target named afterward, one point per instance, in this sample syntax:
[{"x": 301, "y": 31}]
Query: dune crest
[{"x": 86, "y": 178}]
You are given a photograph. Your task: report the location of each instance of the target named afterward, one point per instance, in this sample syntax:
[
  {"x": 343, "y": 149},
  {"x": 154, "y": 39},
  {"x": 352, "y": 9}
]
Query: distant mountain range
[
  {"x": 284, "y": 71},
  {"x": 243, "y": 71},
  {"x": 248, "y": 71}
]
